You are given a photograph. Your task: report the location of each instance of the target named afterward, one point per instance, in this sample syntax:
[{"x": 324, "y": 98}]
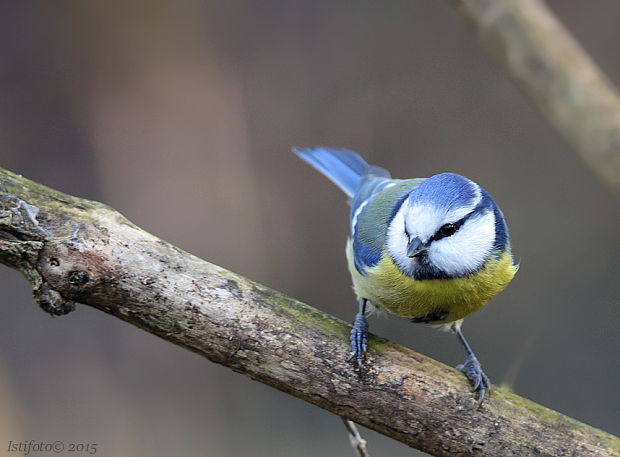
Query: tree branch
[
  {"x": 557, "y": 73},
  {"x": 74, "y": 250}
]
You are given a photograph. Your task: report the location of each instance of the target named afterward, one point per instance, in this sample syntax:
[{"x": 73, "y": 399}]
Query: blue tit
[{"x": 431, "y": 250}]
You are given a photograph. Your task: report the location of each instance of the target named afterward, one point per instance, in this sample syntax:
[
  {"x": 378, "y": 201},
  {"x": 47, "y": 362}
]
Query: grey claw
[{"x": 473, "y": 371}]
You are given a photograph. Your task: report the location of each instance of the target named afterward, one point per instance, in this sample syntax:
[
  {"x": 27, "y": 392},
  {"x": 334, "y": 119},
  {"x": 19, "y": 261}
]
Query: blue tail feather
[{"x": 344, "y": 168}]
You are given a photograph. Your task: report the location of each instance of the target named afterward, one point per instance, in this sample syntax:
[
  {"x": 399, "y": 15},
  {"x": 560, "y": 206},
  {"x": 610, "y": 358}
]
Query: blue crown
[{"x": 446, "y": 190}]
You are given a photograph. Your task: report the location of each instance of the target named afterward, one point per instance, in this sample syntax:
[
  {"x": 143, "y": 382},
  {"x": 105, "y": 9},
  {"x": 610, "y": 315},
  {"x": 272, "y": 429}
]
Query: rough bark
[
  {"x": 563, "y": 81},
  {"x": 74, "y": 250}
]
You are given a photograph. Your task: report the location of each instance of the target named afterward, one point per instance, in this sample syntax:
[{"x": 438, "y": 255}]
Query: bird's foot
[
  {"x": 473, "y": 371},
  {"x": 359, "y": 341}
]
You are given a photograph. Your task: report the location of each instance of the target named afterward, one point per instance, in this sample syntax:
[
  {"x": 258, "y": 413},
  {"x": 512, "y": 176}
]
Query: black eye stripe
[
  {"x": 447, "y": 230},
  {"x": 456, "y": 226}
]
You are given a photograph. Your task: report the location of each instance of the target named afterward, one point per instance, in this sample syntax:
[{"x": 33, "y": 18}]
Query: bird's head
[{"x": 447, "y": 227}]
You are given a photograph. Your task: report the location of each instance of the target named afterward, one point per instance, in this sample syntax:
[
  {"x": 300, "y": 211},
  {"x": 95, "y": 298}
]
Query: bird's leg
[
  {"x": 359, "y": 335},
  {"x": 471, "y": 368}
]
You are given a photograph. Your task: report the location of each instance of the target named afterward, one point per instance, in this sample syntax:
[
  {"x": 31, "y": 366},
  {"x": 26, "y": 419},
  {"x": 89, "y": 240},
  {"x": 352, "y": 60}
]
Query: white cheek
[
  {"x": 466, "y": 250},
  {"x": 397, "y": 240}
]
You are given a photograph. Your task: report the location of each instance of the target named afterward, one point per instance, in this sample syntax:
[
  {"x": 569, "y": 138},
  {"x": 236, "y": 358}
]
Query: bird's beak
[{"x": 415, "y": 248}]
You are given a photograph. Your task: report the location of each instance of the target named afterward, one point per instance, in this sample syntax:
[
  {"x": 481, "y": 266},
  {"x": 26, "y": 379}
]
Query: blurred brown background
[{"x": 181, "y": 115}]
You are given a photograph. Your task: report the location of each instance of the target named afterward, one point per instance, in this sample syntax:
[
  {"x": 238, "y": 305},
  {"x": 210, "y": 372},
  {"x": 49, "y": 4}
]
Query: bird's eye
[{"x": 447, "y": 229}]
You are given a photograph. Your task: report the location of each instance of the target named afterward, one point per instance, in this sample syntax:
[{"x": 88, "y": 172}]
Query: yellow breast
[{"x": 386, "y": 287}]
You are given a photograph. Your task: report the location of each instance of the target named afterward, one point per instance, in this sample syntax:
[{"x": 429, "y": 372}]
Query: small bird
[{"x": 431, "y": 250}]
